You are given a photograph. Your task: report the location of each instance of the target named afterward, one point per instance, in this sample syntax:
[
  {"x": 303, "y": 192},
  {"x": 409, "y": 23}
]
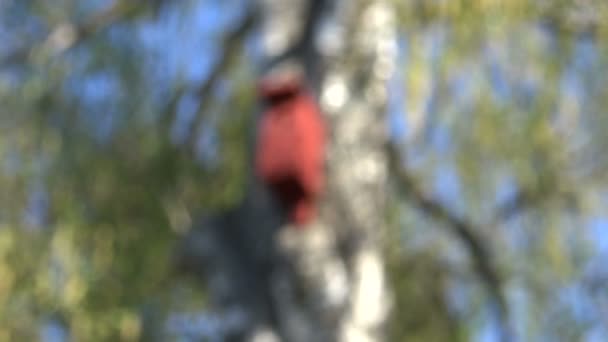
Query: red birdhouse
[{"x": 290, "y": 151}]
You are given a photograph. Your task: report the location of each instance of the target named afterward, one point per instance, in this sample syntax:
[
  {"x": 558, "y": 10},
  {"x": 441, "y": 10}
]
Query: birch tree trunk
[{"x": 325, "y": 282}]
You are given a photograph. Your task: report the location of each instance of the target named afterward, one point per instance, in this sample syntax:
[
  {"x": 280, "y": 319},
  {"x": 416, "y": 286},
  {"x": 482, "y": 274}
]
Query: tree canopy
[{"x": 121, "y": 121}]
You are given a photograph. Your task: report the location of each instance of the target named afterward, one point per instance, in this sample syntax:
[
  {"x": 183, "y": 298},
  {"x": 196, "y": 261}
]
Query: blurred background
[{"x": 122, "y": 122}]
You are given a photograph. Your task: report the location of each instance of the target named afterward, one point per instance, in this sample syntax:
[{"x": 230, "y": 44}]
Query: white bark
[
  {"x": 324, "y": 282},
  {"x": 336, "y": 260}
]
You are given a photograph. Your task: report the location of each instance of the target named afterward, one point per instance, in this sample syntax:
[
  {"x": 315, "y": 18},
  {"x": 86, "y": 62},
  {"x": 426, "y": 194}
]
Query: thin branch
[
  {"x": 464, "y": 229},
  {"x": 231, "y": 48},
  {"x": 303, "y": 48},
  {"x": 101, "y": 20},
  {"x": 67, "y": 35}
]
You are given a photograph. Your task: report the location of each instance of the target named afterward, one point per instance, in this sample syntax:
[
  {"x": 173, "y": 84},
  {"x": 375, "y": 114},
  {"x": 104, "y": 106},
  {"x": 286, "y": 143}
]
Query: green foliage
[
  {"x": 506, "y": 95},
  {"x": 113, "y": 203},
  {"x": 115, "y": 199}
]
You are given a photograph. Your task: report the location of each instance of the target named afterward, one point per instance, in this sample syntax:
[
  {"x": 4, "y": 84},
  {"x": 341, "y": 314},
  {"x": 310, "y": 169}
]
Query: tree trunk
[{"x": 326, "y": 281}]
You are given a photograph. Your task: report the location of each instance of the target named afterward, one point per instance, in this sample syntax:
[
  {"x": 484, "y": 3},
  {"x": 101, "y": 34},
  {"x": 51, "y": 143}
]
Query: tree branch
[
  {"x": 303, "y": 49},
  {"x": 67, "y": 35},
  {"x": 464, "y": 229},
  {"x": 231, "y": 48}
]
